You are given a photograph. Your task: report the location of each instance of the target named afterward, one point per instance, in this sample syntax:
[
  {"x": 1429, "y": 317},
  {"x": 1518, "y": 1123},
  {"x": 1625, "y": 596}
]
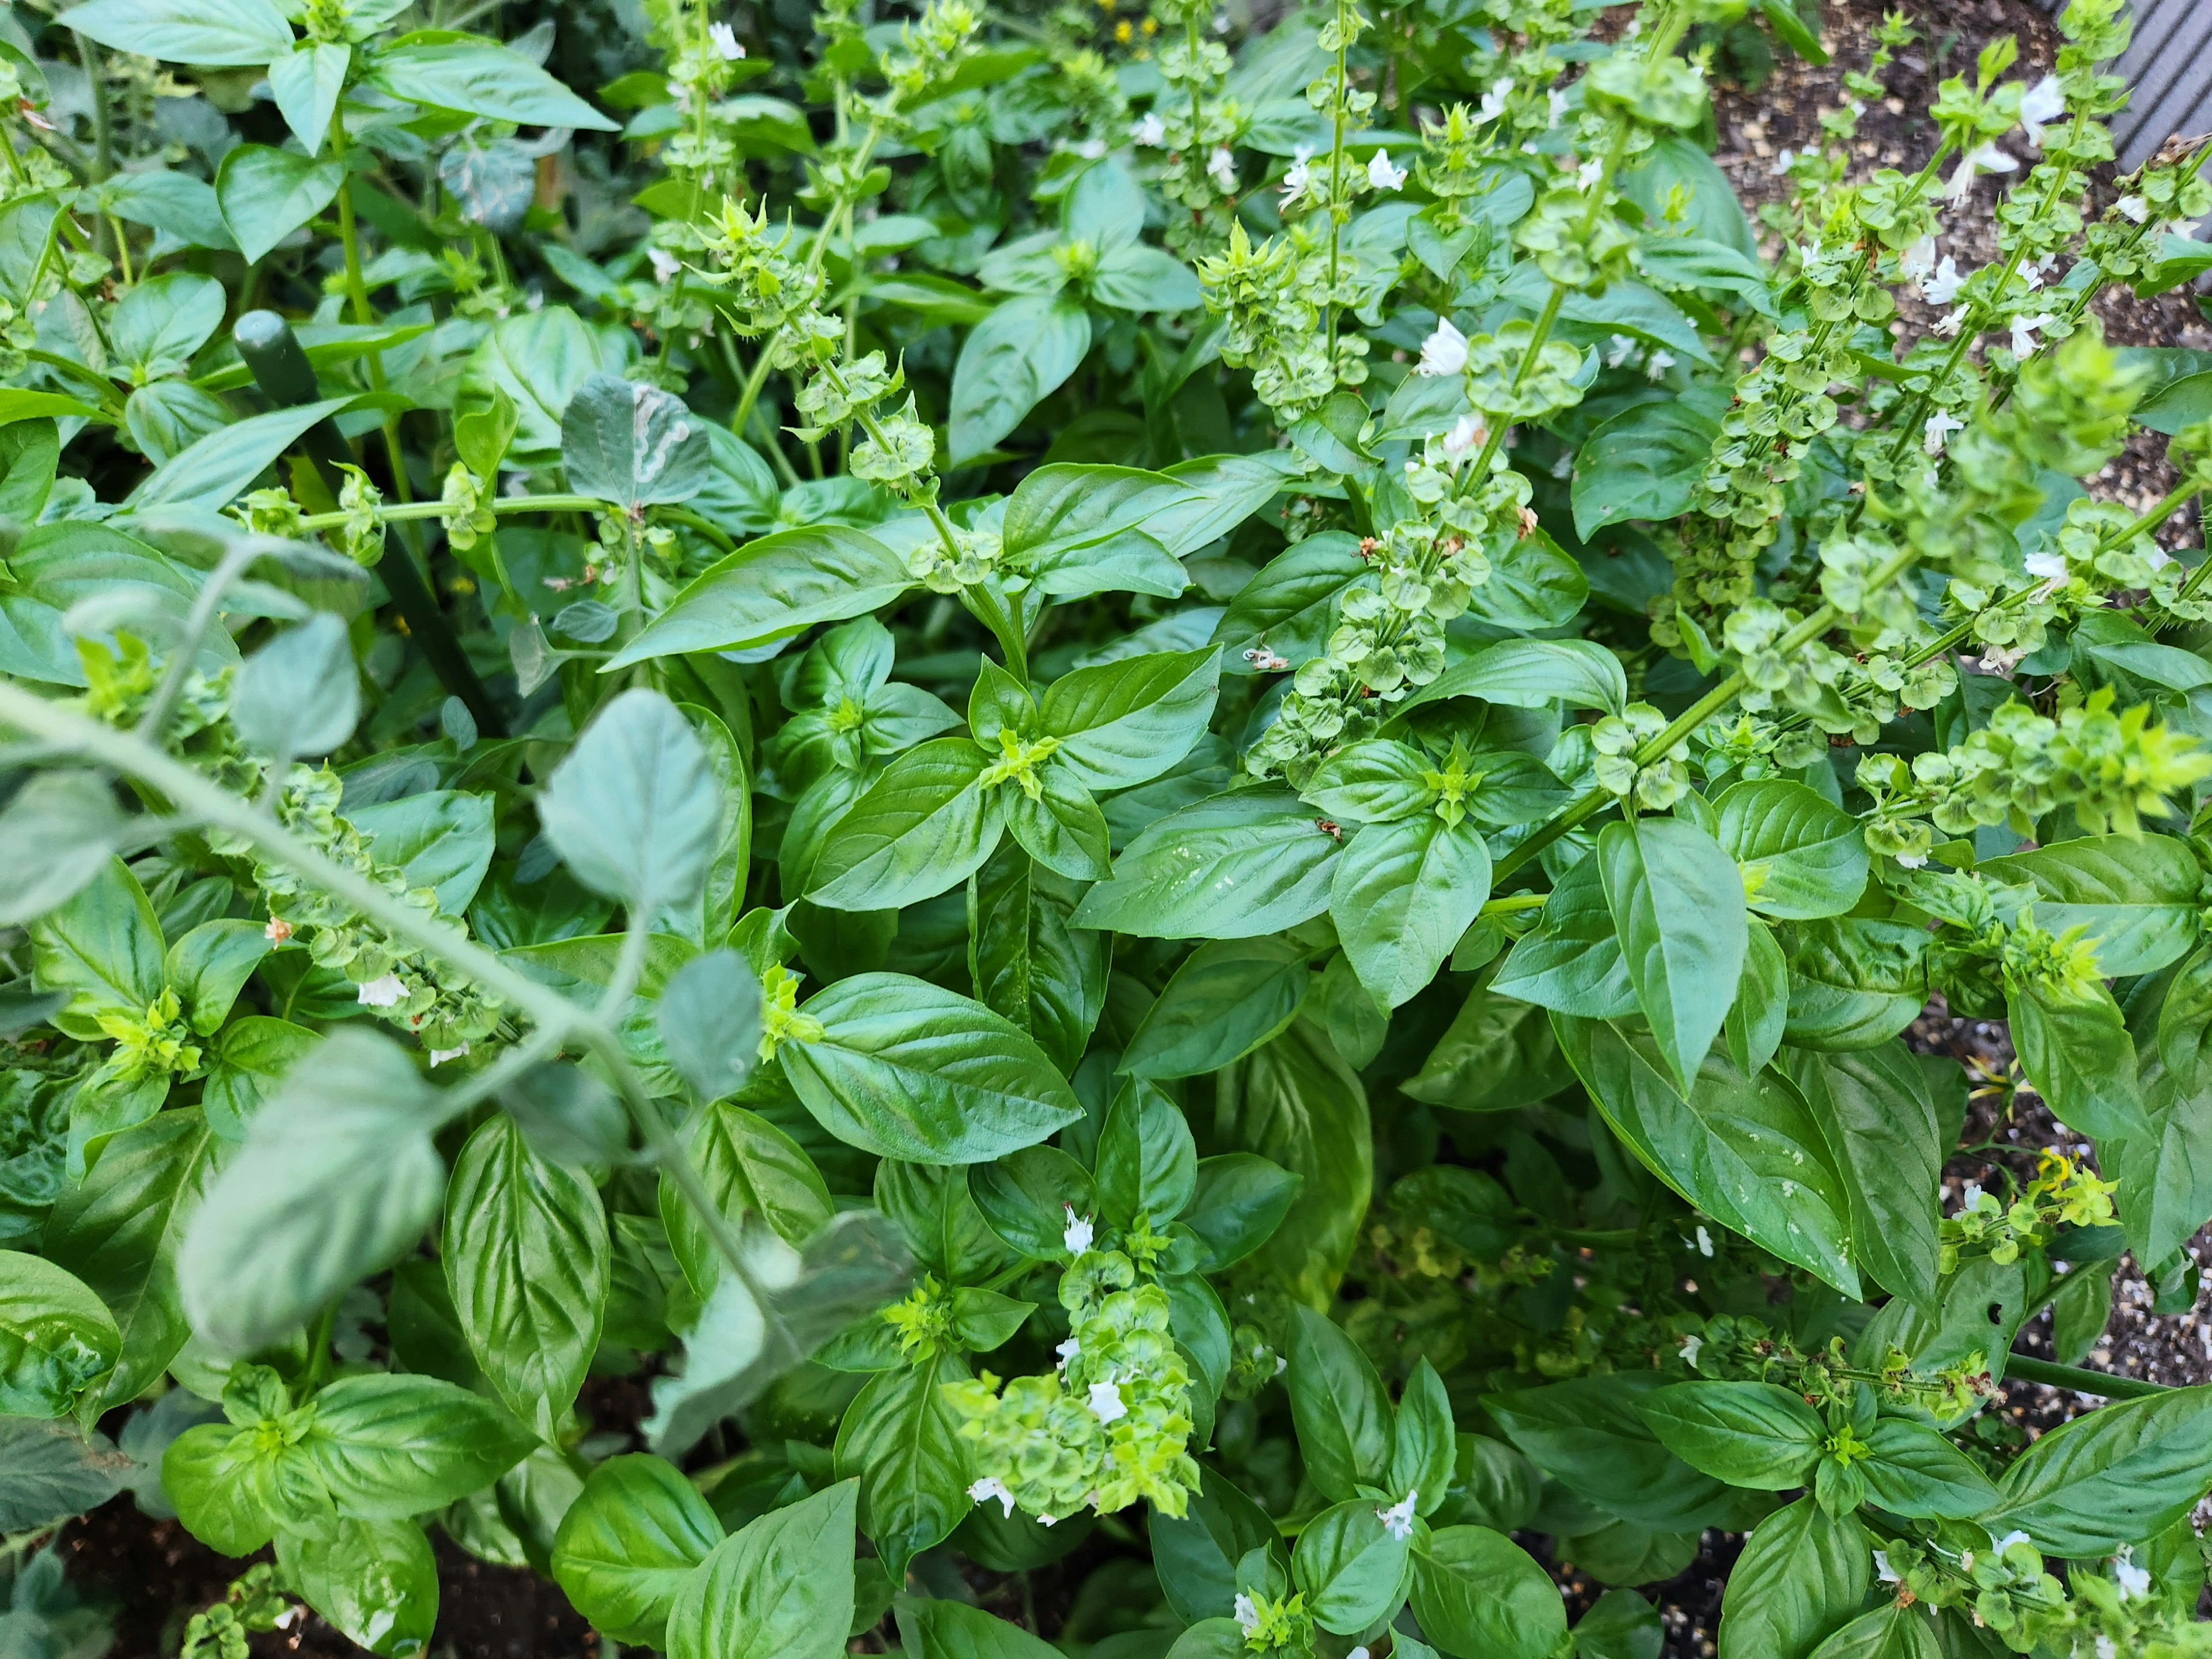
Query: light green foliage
[{"x": 1090, "y": 774}]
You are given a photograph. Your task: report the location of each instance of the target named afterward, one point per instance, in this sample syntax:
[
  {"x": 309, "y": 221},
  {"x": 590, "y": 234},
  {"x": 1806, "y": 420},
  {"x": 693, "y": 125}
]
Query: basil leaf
[
  {"x": 629, "y": 1544},
  {"x": 1677, "y": 903},
  {"x": 780, "y": 1586},
  {"x": 905, "y": 1070},
  {"x": 527, "y": 1258}
]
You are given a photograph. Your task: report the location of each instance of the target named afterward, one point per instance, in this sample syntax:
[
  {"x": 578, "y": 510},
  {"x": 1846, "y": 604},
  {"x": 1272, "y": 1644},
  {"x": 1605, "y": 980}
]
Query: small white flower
[
  {"x": 989, "y": 1487},
  {"x": 1381, "y": 174},
  {"x": 2184, "y": 228},
  {"x": 1556, "y": 100},
  {"x": 1047, "y": 1520},
  {"x": 2134, "y": 1580},
  {"x": 1624, "y": 348},
  {"x": 1916, "y": 261},
  {"x": 1705, "y": 1241},
  {"x": 2158, "y": 558},
  {"x": 2133, "y": 208},
  {"x": 1883, "y": 1569},
  {"x": 2041, "y": 104},
  {"x": 2015, "y": 1536},
  {"x": 1691, "y": 1346},
  {"x": 1658, "y": 363},
  {"x": 1398, "y": 1519},
  {"x": 1150, "y": 131},
  {"x": 1970, "y": 1196},
  {"x": 1467, "y": 435},
  {"x": 386, "y": 993},
  {"x": 1105, "y": 1403},
  {"x": 1983, "y": 158},
  {"x": 665, "y": 265},
  {"x": 724, "y": 40},
  {"x": 1856, "y": 106},
  {"x": 440, "y": 1056},
  {"x": 1587, "y": 174},
  {"x": 1444, "y": 352},
  {"x": 2107, "y": 1648},
  {"x": 1067, "y": 1351},
  {"x": 1493, "y": 101},
  {"x": 1079, "y": 1232},
  {"x": 1223, "y": 166},
  {"x": 2023, "y": 331},
  {"x": 1782, "y": 163},
  {"x": 1913, "y": 861},
  {"x": 1939, "y": 426},
  {"x": 2048, "y": 563},
  {"x": 1948, "y": 323},
  {"x": 1300, "y": 173},
  {"x": 1247, "y": 1615},
  {"x": 1091, "y": 149}
]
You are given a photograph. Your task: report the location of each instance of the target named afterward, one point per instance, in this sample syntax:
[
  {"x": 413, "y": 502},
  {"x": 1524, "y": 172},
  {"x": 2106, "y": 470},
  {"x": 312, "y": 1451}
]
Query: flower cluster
[
  {"x": 2064, "y": 1194},
  {"x": 1109, "y": 1427},
  {"x": 1390, "y": 637},
  {"x": 2113, "y": 769}
]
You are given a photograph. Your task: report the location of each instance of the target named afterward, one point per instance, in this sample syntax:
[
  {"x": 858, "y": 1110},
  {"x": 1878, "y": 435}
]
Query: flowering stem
[
  {"x": 1595, "y": 800},
  {"x": 71, "y": 729}
]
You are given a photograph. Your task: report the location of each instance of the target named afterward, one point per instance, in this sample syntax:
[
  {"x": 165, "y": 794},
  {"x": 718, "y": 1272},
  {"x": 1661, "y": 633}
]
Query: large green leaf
[
  {"x": 1030, "y": 964},
  {"x": 2135, "y": 895},
  {"x": 1248, "y": 862},
  {"x": 776, "y": 586},
  {"x": 1802, "y": 1574},
  {"x": 1802, "y": 857},
  {"x": 1591, "y": 1436},
  {"x": 390, "y": 1446},
  {"x": 527, "y": 1258},
  {"x": 1480, "y": 1595},
  {"x": 748, "y": 1166},
  {"x": 1748, "y": 1434},
  {"x": 1677, "y": 903},
  {"x": 1743, "y": 1150},
  {"x": 903, "y": 1069},
  {"x": 1296, "y": 1103},
  {"x": 1644, "y": 463},
  {"x": 221, "y": 33},
  {"x": 1227, "y": 997},
  {"x": 1013, "y": 359},
  {"x": 630, "y": 1542},
  {"x": 780, "y": 1588},
  {"x": 635, "y": 809},
  {"x": 902, "y": 1440},
  {"x": 1879, "y": 1120},
  {"x": 481, "y": 78},
  {"x": 1342, "y": 1412},
  {"x": 2120, "y": 1474},
  {"x": 1402, "y": 895},
  {"x": 267, "y": 194},
  {"x": 925, "y": 824},
  {"x": 338, "y": 1178},
  {"x": 56, "y": 1338},
  {"x": 120, "y": 1229}
]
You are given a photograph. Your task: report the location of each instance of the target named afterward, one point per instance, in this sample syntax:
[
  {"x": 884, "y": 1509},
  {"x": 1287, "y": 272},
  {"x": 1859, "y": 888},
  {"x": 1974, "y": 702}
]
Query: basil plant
[{"x": 814, "y": 817}]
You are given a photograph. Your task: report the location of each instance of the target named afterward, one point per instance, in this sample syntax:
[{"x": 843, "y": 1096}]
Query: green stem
[
  {"x": 71, "y": 729},
  {"x": 2101, "y": 1384},
  {"x": 103, "y": 130},
  {"x": 1597, "y": 800}
]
